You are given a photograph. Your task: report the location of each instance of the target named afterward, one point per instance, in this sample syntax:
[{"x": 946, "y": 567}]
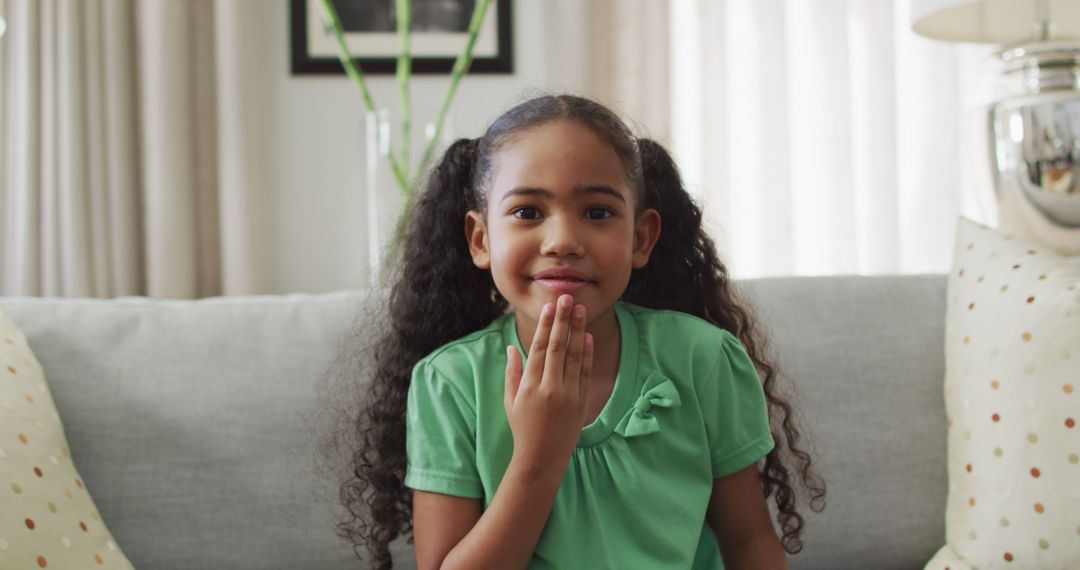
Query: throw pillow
[
  {"x": 47, "y": 518},
  {"x": 1012, "y": 401}
]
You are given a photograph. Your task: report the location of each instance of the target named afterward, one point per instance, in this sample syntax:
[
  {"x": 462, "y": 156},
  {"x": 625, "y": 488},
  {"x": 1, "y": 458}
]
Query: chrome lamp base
[{"x": 1035, "y": 137}]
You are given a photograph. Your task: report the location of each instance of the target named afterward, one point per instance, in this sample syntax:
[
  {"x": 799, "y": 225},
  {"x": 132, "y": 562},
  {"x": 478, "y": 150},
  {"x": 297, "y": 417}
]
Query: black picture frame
[{"x": 305, "y": 62}]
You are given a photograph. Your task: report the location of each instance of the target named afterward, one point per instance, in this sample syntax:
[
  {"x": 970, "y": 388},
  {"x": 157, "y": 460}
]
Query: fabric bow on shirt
[{"x": 658, "y": 391}]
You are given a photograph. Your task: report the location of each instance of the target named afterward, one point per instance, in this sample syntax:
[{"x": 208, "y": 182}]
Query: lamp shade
[{"x": 992, "y": 21}]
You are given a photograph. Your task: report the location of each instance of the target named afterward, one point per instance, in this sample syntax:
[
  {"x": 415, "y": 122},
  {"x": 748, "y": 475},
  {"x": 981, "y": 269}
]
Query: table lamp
[{"x": 1035, "y": 135}]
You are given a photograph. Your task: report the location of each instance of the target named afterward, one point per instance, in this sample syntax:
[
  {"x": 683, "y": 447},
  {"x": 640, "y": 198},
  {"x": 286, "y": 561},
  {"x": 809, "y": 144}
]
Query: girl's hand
[{"x": 546, "y": 407}]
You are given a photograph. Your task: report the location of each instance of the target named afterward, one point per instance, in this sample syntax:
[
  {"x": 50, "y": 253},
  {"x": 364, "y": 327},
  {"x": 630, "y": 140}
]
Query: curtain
[
  {"x": 131, "y": 163},
  {"x": 820, "y": 136}
]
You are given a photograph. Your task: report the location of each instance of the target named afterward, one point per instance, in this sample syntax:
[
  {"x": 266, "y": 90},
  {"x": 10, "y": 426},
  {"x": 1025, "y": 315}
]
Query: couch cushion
[
  {"x": 190, "y": 422},
  {"x": 865, "y": 356}
]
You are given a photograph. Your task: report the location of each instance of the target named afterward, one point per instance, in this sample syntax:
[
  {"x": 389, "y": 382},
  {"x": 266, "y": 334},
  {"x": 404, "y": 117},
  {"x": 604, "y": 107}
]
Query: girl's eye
[
  {"x": 598, "y": 214},
  {"x": 528, "y": 209}
]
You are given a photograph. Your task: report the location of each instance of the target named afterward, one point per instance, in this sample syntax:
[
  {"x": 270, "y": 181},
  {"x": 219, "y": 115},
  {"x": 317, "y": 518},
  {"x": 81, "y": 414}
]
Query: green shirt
[{"x": 687, "y": 407}]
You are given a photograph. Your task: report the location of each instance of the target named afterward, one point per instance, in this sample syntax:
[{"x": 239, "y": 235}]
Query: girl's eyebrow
[{"x": 578, "y": 190}]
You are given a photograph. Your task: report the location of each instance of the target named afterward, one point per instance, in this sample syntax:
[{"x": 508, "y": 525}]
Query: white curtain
[
  {"x": 821, "y": 136},
  {"x": 130, "y": 162}
]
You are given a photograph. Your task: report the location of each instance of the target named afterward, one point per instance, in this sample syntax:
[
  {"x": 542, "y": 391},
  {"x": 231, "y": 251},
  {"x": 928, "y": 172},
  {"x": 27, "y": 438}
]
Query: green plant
[{"x": 406, "y": 179}]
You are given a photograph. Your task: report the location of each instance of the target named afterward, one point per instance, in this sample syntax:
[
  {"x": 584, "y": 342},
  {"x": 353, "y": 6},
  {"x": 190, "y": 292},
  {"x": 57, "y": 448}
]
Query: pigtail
[
  {"x": 437, "y": 295},
  {"x": 685, "y": 274}
]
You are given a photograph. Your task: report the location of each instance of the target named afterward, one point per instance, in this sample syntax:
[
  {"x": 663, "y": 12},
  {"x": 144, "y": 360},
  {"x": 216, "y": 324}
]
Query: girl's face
[{"x": 560, "y": 219}]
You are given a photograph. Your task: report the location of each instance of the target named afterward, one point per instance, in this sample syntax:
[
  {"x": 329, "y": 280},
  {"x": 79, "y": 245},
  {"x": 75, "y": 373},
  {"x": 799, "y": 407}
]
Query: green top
[{"x": 687, "y": 407}]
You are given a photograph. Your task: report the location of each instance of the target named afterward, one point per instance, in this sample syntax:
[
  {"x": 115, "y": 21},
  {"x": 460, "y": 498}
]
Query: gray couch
[{"x": 194, "y": 423}]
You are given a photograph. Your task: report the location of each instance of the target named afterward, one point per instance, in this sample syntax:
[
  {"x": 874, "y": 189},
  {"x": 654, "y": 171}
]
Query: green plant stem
[
  {"x": 461, "y": 66},
  {"x": 401, "y": 168},
  {"x": 404, "y": 71},
  {"x": 357, "y": 77}
]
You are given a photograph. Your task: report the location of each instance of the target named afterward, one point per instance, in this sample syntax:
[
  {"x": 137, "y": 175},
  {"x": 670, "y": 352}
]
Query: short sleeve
[
  {"x": 440, "y": 436},
  {"x": 736, "y": 417}
]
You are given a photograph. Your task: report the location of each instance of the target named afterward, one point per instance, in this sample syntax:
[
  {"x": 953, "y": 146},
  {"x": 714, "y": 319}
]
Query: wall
[{"x": 315, "y": 138}]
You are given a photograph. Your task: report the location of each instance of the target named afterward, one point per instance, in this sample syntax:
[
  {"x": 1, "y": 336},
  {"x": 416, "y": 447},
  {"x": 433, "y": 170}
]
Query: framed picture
[{"x": 439, "y": 33}]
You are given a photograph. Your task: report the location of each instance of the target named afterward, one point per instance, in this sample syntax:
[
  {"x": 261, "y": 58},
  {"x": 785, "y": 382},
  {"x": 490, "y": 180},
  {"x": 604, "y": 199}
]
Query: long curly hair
[{"x": 437, "y": 295}]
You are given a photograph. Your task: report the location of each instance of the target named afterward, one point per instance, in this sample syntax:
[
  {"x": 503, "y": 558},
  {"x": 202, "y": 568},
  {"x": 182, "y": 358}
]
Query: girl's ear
[
  {"x": 646, "y": 233},
  {"x": 476, "y": 235}
]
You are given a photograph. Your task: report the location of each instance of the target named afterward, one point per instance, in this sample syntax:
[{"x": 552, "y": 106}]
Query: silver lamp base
[{"x": 1035, "y": 137}]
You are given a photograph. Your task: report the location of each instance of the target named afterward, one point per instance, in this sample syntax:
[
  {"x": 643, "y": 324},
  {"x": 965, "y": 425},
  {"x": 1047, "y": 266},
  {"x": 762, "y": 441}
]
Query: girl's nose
[{"x": 561, "y": 239}]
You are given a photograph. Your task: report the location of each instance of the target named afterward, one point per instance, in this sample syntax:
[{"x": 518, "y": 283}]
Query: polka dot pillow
[
  {"x": 1012, "y": 401},
  {"x": 47, "y": 518}
]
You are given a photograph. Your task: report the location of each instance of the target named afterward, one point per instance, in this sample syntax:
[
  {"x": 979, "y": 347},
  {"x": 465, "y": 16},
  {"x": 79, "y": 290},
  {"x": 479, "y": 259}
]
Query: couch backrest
[
  {"x": 193, "y": 422},
  {"x": 189, "y": 422},
  {"x": 866, "y": 355}
]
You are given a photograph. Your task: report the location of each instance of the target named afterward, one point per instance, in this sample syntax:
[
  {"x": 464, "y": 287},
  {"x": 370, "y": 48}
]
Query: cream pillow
[
  {"x": 1012, "y": 399},
  {"x": 47, "y": 518}
]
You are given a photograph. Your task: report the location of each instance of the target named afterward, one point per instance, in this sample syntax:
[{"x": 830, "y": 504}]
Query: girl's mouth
[{"x": 563, "y": 285}]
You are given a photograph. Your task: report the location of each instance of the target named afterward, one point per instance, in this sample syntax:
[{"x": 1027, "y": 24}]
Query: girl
[{"x": 562, "y": 383}]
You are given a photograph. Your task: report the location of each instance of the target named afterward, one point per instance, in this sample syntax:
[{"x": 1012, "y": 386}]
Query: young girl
[{"x": 567, "y": 379}]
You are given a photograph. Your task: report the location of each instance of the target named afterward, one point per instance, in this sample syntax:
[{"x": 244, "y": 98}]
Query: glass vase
[{"x": 385, "y": 195}]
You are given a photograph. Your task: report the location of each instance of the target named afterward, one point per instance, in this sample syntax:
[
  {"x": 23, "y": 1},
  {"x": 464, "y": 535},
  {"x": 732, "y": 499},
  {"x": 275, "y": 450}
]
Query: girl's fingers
[
  {"x": 534, "y": 367},
  {"x": 556, "y": 349},
  {"x": 513, "y": 376},
  {"x": 586, "y": 367},
  {"x": 575, "y": 347}
]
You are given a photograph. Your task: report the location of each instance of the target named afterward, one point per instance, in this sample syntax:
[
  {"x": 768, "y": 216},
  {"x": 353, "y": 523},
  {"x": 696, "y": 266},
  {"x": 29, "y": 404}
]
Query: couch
[{"x": 195, "y": 423}]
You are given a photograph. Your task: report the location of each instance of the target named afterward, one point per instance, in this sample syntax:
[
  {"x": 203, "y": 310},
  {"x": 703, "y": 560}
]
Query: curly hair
[{"x": 436, "y": 295}]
